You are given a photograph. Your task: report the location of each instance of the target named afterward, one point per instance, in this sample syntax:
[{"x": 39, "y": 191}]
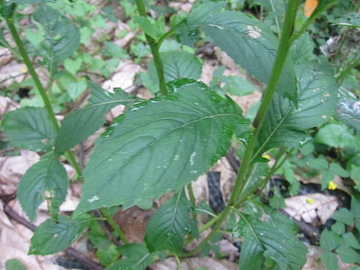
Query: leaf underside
[{"x": 159, "y": 146}]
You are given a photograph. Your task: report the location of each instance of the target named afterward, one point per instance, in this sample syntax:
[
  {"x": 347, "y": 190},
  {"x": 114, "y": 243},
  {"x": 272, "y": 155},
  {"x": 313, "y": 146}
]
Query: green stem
[
  {"x": 155, "y": 52},
  {"x": 191, "y": 195},
  {"x": 113, "y": 225},
  {"x": 222, "y": 217},
  {"x": 30, "y": 67},
  {"x": 346, "y": 72},
  {"x": 41, "y": 89},
  {"x": 178, "y": 262},
  {"x": 281, "y": 55},
  {"x": 310, "y": 21},
  {"x": 280, "y": 59},
  {"x": 164, "y": 36}
]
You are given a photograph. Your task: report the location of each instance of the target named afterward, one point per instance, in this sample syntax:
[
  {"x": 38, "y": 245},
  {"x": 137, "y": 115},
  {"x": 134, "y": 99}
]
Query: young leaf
[
  {"x": 329, "y": 240},
  {"x": 285, "y": 124},
  {"x": 51, "y": 237},
  {"x": 168, "y": 226},
  {"x": 83, "y": 122},
  {"x": 137, "y": 257},
  {"x": 14, "y": 264},
  {"x": 154, "y": 29},
  {"x": 176, "y": 138},
  {"x": 62, "y": 36},
  {"x": 177, "y": 65},
  {"x": 30, "y": 128},
  {"x": 347, "y": 254},
  {"x": 330, "y": 261},
  {"x": 284, "y": 248},
  {"x": 250, "y": 43},
  {"x": 47, "y": 175}
]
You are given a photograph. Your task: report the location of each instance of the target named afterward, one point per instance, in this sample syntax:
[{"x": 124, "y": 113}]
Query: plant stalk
[
  {"x": 42, "y": 91},
  {"x": 155, "y": 52},
  {"x": 113, "y": 225},
  {"x": 346, "y": 72},
  {"x": 281, "y": 55},
  {"x": 282, "y": 52}
]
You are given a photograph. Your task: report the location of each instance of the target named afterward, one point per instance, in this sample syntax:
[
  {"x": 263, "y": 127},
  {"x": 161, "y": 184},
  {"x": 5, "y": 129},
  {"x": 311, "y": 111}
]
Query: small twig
[{"x": 69, "y": 251}]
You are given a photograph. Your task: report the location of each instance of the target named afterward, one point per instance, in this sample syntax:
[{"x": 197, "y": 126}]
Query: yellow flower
[
  {"x": 332, "y": 185},
  {"x": 310, "y": 200},
  {"x": 266, "y": 156},
  {"x": 23, "y": 69}
]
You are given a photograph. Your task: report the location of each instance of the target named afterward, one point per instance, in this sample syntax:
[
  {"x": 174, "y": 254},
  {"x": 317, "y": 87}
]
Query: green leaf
[
  {"x": 251, "y": 255},
  {"x": 177, "y": 65},
  {"x": 285, "y": 124},
  {"x": 61, "y": 38},
  {"x": 329, "y": 240},
  {"x": 51, "y": 237},
  {"x": 302, "y": 49},
  {"x": 137, "y": 257},
  {"x": 100, "y": 102},
  {"x": 335, "y": 135},
  {"x": 338, "y": 228},
  {"x": 347, "y": 254},
  {"x": 355, "y": 205},
  {"x": 72, "y": 66},
  {"x": 14, "y": 264},
  {"x": 327, "y": 176},
  {"x": 187, "y": 31},
  {"x": 351, "y": 241},
  {"x": 107, "y": 255},
  {"x": 75, "y": 89},
  {"x": 284, "y": 248},
  {"x": 113, "y": 50},
  {"x": 154, "y": 29},
  {"x": 30, "y": 128},
  {"x": 174, "y": 148},
  {"x": 351, "y": 19},
  {"x": 250, "y": 43},
  {"x": 48, "y": 177},
  {"x": 168, "y": 226},
  {"x": 336, "y": 169},
  {"x": 330, "y": 261},
  {"x": 343, "y": 215}
]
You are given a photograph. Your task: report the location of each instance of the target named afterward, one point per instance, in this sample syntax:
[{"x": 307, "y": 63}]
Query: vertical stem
[
  {"x": 155, "y": 52},
  {"x": 281, "y": 55},
  {"x": 35, "y": 77},
  {"x": 33, "y": 74},
  {"x": 113, "y": 225}
]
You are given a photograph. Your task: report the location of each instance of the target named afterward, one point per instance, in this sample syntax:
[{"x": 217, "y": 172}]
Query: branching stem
[{"x": 10, "y": 22}]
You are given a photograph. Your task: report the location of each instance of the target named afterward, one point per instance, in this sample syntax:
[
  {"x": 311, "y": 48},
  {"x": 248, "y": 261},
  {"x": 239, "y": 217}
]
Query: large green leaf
[
  {"x": 30, "y": 128},
  {"x": 83, "y": 122},
  {"x": 285, "y": 124},
  {"x": 159, "y": 146},
  {"x": 61, "y": 38},
  {"x": 168, "y": 226},
  {"x": 250, "y": 43},
  {"x": 55, "y": 236},
  {"x": 284, "y": 248},
  {"x": 177, "y": 65},
  {"x": 137, "y": 257},
  {"x": 47, "y": 175}
]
